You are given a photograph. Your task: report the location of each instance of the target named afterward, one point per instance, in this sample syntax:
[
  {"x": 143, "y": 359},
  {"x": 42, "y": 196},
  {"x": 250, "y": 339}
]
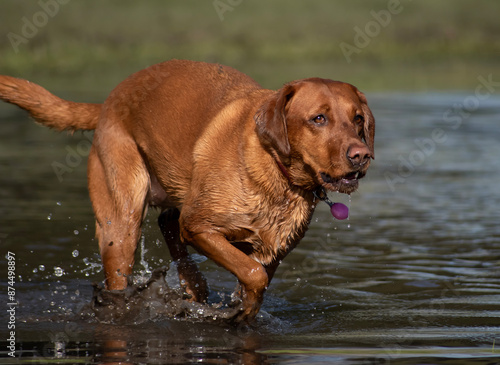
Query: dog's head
[{"x": 321, "y": 130}]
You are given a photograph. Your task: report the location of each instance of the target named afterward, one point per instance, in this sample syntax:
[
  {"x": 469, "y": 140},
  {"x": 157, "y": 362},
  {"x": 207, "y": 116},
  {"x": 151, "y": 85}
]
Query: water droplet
[
  {"x": 35, "y": 270},
  {"x": 58, "y": 271},
  {"x": 109, "y": 222},
  {"x": 76, "y": 232},
  {"x": 75, "y": 253},
  {"x": 59, "y": 203},
  {"x": 49, "y": 217}
]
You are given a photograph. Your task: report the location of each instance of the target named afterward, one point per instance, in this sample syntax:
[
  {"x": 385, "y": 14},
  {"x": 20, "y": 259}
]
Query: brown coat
[{"x": 232, "y": 166}]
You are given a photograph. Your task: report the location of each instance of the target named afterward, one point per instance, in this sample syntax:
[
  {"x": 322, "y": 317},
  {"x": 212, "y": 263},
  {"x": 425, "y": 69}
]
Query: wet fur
[{"x": 233, "y": 167}]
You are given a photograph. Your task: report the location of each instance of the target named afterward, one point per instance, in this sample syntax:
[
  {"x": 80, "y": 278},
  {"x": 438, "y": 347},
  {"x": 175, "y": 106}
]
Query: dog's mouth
[{"x": 345, "y": 184}]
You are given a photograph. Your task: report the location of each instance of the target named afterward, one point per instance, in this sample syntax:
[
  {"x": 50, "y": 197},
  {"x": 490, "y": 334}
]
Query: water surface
[{"x": 411, "y": 277}]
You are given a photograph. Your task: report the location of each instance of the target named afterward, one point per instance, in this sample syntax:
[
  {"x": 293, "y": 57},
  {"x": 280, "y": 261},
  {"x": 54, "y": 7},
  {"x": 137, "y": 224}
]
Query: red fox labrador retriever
[{"x": 234, "y": 168}]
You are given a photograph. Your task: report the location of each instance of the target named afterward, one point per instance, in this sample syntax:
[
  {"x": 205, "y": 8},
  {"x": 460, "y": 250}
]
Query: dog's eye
[
  {"x": 359, "y": 119},
  {"x": 319, "y": 119}
]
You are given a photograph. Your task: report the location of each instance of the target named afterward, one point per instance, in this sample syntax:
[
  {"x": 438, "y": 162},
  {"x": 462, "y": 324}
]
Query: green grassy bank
[{"x": 89, "y": 46}]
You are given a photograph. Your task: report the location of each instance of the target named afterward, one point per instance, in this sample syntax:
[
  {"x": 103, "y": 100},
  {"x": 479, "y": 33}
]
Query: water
[{"x": 411, "y": 277}]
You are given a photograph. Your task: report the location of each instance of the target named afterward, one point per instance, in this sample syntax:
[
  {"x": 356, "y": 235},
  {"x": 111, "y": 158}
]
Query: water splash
[
  {"x": 142, "y": 274},
  {"x": 153, "y": 300},
  {"x": 92, "y": 267},
  {"x": 58, "y": 271}
]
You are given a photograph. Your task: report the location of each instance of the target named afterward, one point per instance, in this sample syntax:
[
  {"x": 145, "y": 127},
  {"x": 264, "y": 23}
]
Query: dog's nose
[{"x": 359, "y": 155}]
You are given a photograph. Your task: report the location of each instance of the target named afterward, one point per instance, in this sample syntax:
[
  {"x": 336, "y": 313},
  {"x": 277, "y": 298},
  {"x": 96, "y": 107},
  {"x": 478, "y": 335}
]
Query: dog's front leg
[{"x": 251, "y": 275}]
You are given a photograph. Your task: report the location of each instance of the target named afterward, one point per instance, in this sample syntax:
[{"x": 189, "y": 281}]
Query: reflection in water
[
  {"x": 412, "y": 274},
  {"x": 177, "y": 343}
]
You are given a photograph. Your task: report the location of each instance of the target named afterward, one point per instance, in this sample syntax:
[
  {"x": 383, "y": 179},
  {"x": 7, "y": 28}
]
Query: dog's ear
[
  {"x": 369, "y": 127},
  {"x": 271, "y": 121}
]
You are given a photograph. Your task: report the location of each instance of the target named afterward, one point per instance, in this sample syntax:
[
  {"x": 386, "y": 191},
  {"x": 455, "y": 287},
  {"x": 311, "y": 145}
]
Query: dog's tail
[{"x": 47, "y": 108}]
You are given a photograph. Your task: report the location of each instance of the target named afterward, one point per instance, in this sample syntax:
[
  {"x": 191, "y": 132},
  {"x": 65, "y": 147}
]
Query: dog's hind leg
[
  {"x": 191, "y": 279},
  {"x": 118, "y": 186}
]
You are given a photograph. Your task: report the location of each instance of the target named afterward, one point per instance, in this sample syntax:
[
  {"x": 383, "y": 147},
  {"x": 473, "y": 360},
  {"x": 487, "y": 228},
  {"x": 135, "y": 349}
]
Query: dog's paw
[
  {"x": 244, "y": 311},
  {"x": 236, "y": 300}
]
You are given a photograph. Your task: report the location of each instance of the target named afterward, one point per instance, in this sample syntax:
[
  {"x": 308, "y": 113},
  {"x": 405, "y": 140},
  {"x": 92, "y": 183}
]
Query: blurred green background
[{"x": 87, "y": 47}]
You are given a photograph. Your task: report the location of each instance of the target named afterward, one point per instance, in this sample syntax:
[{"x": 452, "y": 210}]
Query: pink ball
[{"x": 339, "y": 211}]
